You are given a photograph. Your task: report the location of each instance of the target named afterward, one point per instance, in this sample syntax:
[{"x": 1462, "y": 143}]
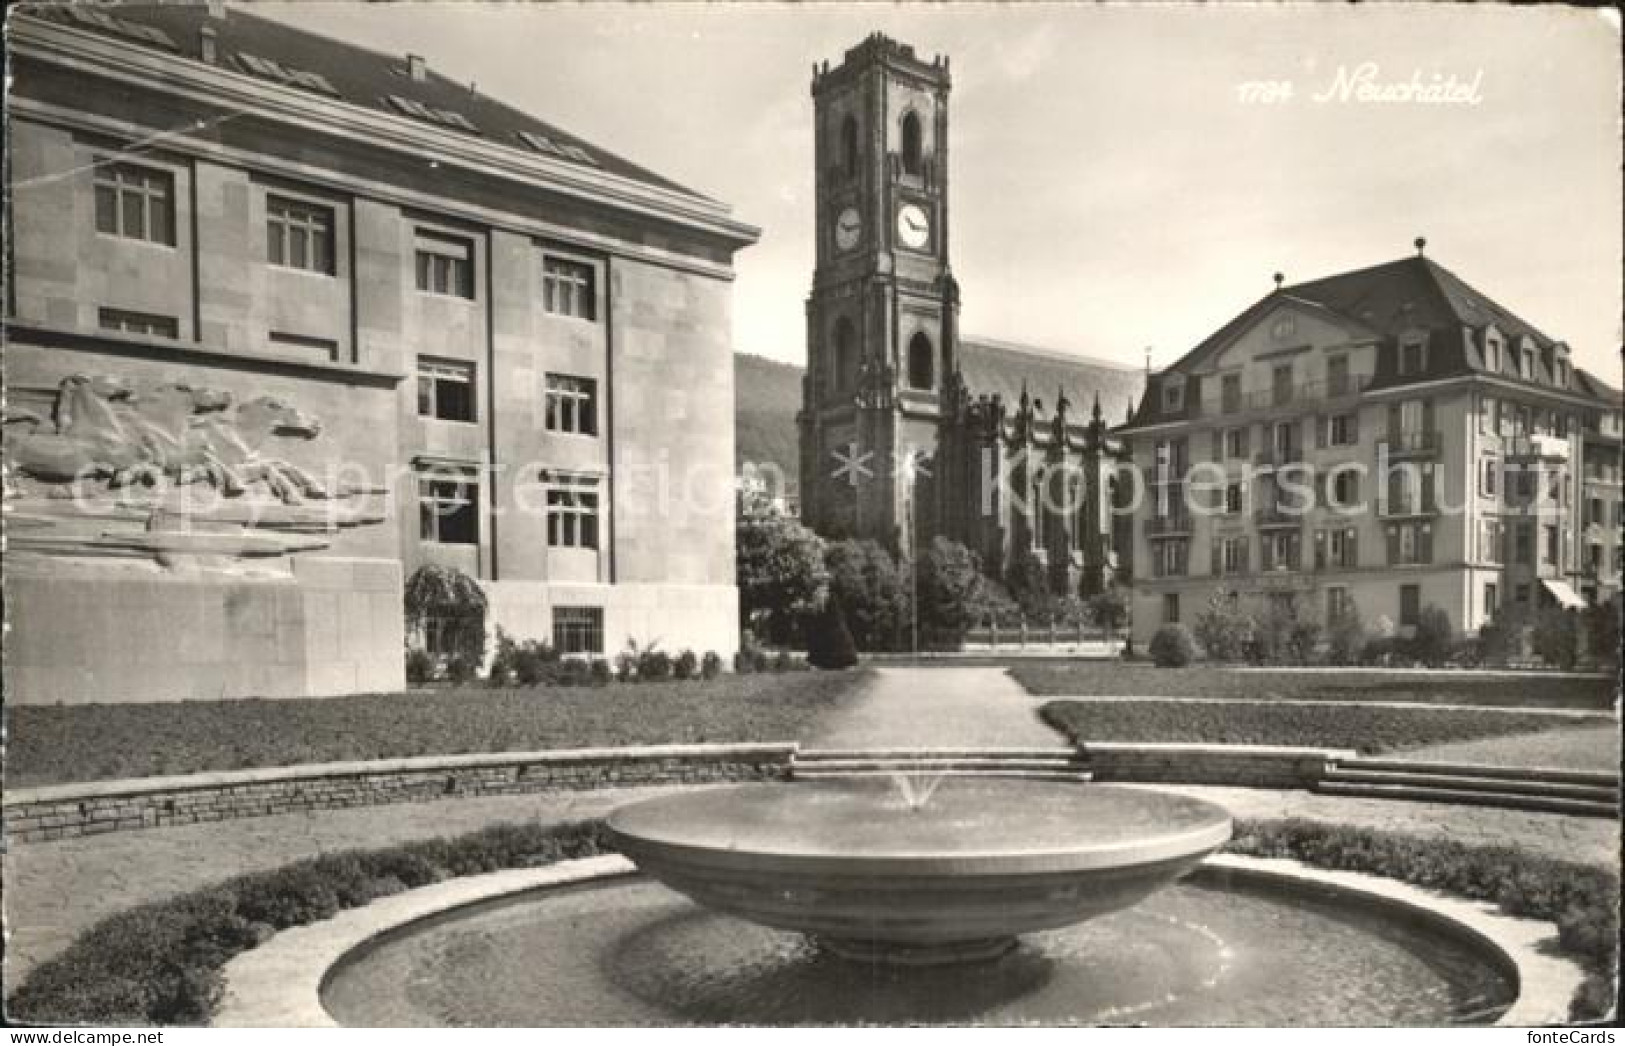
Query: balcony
[
  {"x": 1538, "y": 448},
  {"x": 1401, "y": 508},
  {"x": 1278, "y": 516},
  {"x": 1411, "y": 444},
  {"x": 1283, "y": 397},
  {"x": 1167, "y": 526}
]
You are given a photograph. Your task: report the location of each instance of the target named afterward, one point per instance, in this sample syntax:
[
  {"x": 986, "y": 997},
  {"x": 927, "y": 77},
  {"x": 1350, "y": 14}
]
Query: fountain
[{"x": 918, "y": 875}]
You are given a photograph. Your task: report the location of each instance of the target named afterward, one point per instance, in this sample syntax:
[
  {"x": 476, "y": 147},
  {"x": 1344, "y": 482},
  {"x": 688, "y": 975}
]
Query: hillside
[{"x": 767, "y": 395}]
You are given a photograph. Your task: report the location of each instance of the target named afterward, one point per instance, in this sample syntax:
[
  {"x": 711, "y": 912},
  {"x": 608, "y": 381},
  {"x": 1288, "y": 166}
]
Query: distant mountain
[{"x": 767, "y": 395}]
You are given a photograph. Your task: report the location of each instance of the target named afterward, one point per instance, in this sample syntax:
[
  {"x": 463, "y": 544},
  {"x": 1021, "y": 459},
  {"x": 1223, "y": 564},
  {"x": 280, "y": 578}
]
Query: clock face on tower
[
  {"x": 913, "y": 227},
  {"x": 848, "y": 229}
]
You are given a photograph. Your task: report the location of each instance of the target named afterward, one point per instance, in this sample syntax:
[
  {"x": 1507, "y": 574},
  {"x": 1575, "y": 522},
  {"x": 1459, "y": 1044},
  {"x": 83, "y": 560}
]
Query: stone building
[
  {"x": 909, "y": 430},
  {"x": 1388, "y": 438},
  {"x": 300, "y": 317}
]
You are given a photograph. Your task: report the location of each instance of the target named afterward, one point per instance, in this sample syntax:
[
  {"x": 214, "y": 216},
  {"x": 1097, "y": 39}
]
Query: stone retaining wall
[
  {"x": 56, "y": 812},
  {"x": 1255, "y": 766}
]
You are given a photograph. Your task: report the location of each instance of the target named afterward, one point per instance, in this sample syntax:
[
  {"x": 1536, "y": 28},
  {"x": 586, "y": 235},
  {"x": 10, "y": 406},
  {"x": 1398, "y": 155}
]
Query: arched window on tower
[
  {"x": 841, "y": 360},
  {"x": 912, "y": 149},
  {"x": 849, "y": 146},
  {"x": 922, "y": 363}
]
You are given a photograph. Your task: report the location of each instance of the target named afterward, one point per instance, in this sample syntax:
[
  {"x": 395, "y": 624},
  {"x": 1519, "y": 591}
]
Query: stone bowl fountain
[{"x": 883, "y": 873}]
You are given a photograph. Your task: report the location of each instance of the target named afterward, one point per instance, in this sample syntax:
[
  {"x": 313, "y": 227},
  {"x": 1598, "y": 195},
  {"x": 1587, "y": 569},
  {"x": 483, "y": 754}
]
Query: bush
[
  {"x": 1602, "y": 632},
  {"x": 527, "y": 662},
  {"x": 445, "y": 611},
  {"x": 161, "y": 963},
  {"x": 1345, "y": 636},
  {"x": 744, "y": 663},
  {"x": 830, "y": 643},
  {"x": 710, "y": 665},
  {"x": 873, "y": 593},
  {"x": 1223, "y": 627},
  {"x": 602, "y": 674},
  {"x": 654, "y": 665},
  {"x": 1108, "y": 609},
  {"x": 780, "y": 567},
  {"x": 949, "y": 581},
  {"x": 419, "y": 667},
  {"x": 1286, "y": 631},
  {"x": 784, "y": 661},
  {"x": 1434, "y": 637},
  {"x": 687, "y": 665},
  {"x": 462, "y": 669},
  {"x": 1172, "y": 646},
  {"x": 1500, "y": 640}
]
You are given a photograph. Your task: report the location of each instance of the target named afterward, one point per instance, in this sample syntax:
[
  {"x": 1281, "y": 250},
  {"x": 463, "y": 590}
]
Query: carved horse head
[{"x": 268, "y": 416}]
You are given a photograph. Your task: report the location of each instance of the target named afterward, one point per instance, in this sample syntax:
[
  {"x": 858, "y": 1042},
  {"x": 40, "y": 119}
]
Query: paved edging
[
  {"x": 279, "y": 983},
  {"x": 62, "y": 811},
  {"x": 1600, "y": 715}
]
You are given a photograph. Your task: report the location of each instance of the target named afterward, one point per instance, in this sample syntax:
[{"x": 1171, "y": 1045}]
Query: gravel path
[{"x": 959, "y": 707}]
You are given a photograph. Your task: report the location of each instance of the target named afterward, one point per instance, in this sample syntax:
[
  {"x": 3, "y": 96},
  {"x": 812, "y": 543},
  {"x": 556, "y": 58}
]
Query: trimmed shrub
[
  {"x": 445, "y": 611},
  {"x": 1500, "y": 640},
  {"x": 1172, "y": 646},
  {"x": 1108, "y": 609},
  {"x": 949, "y": 581},
  {"x": 710, "y": 665},
  {"x": 1556, "y": 638},
  {"x": 654, "y": 664},
  {"x": 687, "y": 665},
  {"x": 461, "y": 669},
  {"x": 602, "y": 674},
  {"x": 744, "y": 663},
  {"x": 1434, "y": 638},
  {"x": 419, "y": 667},
  {"x": 784, "y": 661},
  {"x": 1345, "y": 636},
  {"x": 830, "y": 644}
]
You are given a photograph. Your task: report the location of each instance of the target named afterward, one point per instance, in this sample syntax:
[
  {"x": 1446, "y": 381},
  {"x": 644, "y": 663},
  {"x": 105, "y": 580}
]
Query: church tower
[{"x": 882, "y": 315}]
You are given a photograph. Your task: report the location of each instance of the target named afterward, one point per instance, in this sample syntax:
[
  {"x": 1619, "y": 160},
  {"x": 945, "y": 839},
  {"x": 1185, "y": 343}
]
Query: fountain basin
[{"x": 877, "y": 878}]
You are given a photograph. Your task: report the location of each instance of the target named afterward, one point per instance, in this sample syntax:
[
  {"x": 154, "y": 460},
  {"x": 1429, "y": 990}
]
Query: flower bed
[{"x": 55, "y": 744}]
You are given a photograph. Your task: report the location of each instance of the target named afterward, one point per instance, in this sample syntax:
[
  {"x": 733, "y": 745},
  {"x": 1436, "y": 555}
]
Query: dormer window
[
  {"x": 1492, "y": 355},
  {"x": 1560, "y": 374},
  {"x": 1526, "y": 363},
  {"x": 1413, "y": 356},
  {"x": 1173, "y": 396}
]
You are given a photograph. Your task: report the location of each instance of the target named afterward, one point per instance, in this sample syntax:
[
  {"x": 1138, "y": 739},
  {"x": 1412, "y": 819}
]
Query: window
[
  {"x": 1410, "y": 604},
  {"x": 572, "y": 512},
  {"x": 1170, "y": 608},
  {"x": 1169, "y": 558},
  {"x": 1230, "y": 392},
  {"x": 1486, "y": 415},
  {"x": 1522, "y": 543},
  {"x": 327, "y": 348},
  {"x": 921, "y": 363},
  {"x": 1173, "y": 396},
  {"x": 913, "y": 161},
  {"x": 136, "y": 203},
  {"x": 1492, "y": 598},
  {"x": 1410, "y": 543},
  {"x": 1594, "y": 511},
  {"x": 1345, "y": 488},
  {"x": 569, "y": 289},
  {"x": 1489, "y": 470},
  {"x": 1560, "y": 374},
  {"x": 1492, "y": 355},
  {"x": 1337, "y": 376},
  {"x": 1412, "y": 357},
  {"x": 1235, "y": 443},
  {"x": 1281, "y": 550},
  {"x": 1526, "y": 364},
  {"x": 1233, "y": 555},
  {"x": 1338, "y": 603},
  {"x": 572, "y": 404},
  {"x": 841, "y": 361},
  {"x": 1281, "y": 384},
  {"x": 1233, "y": 495},
  {"x": 141, "y": 323},
  {"x": 1284, "y": 439},
  {"x": 445, "y": 389},
  {"x": 298, "y": 235},
  {"x": 1490, "y": 538},
  {"x": 1336, "y": 548},
  {"x": 445, "y": 265},
  {"x": 1342, "y": 430},
  {"x": 1550, "y": 547},
  {"x": 578, "y": 630},
  {"x": 849, "y": 146},
  {"x": 448, "y": 510}
]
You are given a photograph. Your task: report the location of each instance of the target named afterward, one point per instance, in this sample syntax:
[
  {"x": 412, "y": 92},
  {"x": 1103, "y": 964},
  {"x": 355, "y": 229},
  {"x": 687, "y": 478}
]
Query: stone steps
[
  {"x": 1074, "y": 776},
  {"x": 1470, "y": 797},
  {"x": 1555, "y": 774},
  {"x": 1602, "y": 793},
  {"x": 1043, "y": 764}
]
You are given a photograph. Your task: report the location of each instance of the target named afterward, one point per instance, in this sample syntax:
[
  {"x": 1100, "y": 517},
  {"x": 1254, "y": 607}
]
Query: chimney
[
  {"x": 417, "y": 68},
  {"x": 206, "y": 44},
  {"x": 217, "y": 9}
]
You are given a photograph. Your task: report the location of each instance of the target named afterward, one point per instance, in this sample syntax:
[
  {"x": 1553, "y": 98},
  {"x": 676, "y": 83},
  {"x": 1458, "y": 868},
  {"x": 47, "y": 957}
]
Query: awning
[{"x": 1565, "y": 595}]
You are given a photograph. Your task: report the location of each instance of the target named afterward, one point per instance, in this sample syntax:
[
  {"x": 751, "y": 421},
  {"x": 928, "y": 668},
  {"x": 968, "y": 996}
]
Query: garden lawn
[
  {"x": 56, "y": 744},
  {"x": 1365, "y": 728},
  {"x": 1114, "y": 679}
]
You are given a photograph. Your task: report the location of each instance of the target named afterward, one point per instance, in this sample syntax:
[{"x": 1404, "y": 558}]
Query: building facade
[
  {"x": 909, "y": 431},
  {"x": 1388, "y": 438},
  {"x": 498, "y": 346}
]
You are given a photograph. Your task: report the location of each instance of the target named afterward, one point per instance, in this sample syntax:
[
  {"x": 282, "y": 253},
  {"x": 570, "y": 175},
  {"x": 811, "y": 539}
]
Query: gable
[{"x": 1284, "y": 329}]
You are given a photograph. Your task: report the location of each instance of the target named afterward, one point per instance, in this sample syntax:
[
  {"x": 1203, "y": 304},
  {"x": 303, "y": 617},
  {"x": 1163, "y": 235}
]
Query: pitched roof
[
  {"x": 998, "y": 367},
  {"x": 335, "y": 69},
  {"x": 1385, "y": 300}
]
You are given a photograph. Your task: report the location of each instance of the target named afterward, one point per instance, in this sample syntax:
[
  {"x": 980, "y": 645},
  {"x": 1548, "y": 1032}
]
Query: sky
[{"x": 1118, "y": 181}]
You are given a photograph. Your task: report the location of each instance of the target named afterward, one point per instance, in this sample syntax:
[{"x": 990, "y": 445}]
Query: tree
[
  {"x": 1029, "y": 585},
  {"x": 872, "y": 591},
  {"x": 1223, "y": 627},
  {"x": 1500, "y": 640},
  {"x": 1172, "y": 646},
  {"x": 1109, "y": 609},
  {"x": 1345, "y": 636},
  {"x": 1556, "y": 637},
  {"x": 1602, "y": 632},
  {"x": 445, "y": 615},
  {"x": 780, "y": 572},
  {"x": 829, "y": 644},
  {"x": 949, "y": 584}
]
